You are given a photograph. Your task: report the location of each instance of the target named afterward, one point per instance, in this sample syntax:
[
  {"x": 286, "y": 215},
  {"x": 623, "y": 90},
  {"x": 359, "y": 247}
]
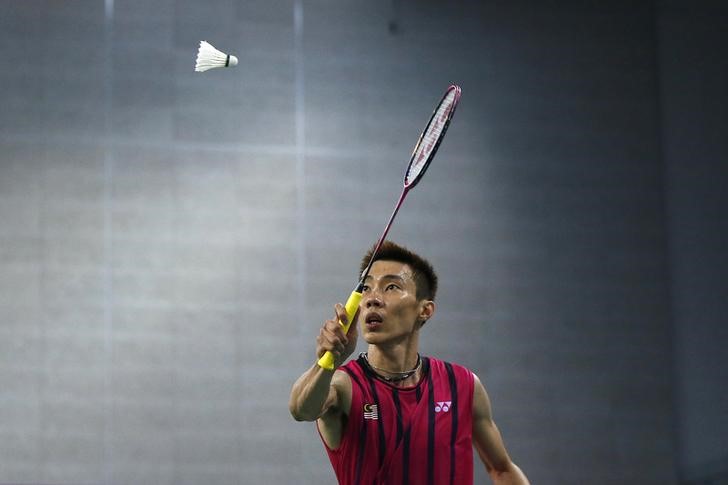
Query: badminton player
[{"x": 392, "y": 416}]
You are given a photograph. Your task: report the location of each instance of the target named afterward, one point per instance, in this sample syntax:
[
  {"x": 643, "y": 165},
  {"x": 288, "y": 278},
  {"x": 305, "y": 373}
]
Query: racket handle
[{"x": 352, "y": 305}]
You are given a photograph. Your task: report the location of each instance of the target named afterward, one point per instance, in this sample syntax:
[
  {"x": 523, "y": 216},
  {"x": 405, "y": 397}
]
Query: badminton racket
[{"x": 422, "y": 156}]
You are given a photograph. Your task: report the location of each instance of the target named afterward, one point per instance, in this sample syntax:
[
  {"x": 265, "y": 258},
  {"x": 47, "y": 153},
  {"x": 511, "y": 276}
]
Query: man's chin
[{"x": 374, "y": 338}]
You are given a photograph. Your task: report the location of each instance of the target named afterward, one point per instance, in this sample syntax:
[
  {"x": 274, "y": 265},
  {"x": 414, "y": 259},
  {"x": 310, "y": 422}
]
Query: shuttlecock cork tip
[{"x": 233, "y": 61}]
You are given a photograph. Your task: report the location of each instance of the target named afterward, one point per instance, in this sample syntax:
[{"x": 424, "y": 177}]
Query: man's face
[{"x": 389, "y": 310}]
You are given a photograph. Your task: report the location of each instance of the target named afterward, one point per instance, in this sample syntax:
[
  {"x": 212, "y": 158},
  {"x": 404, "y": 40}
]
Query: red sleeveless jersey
[{"x": 419, "y": 435}]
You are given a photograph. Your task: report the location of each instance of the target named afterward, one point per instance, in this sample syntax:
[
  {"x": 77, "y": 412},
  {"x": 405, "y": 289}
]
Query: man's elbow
[
  {"x": 300, "y": 414},
  {"x": 507, "y": 474}
]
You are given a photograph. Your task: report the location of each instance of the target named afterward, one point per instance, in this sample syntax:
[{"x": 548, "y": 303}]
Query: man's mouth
[{"x": 373, "y": 321}]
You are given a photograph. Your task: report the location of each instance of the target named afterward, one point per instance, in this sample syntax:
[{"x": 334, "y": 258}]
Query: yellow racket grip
[{"x": 352, "y": 305}]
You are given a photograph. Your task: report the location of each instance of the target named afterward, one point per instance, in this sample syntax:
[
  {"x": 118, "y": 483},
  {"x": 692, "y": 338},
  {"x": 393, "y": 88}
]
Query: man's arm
[
  {"x": 313, "y": 394},
  {"x": 489, "y": 444},
  {"x": 324, "y": 395}
]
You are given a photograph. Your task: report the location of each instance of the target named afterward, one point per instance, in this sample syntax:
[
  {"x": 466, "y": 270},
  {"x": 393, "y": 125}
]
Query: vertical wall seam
[{"x": 108, "y": 289}]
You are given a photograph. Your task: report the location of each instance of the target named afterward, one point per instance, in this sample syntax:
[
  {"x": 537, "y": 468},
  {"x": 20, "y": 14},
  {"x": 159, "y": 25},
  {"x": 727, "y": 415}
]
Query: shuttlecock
[{"x": 209, "y": 58}]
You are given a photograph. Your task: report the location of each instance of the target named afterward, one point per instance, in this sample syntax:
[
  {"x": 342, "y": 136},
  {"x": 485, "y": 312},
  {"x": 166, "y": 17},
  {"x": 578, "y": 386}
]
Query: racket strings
[{"x": 431, "y": 137}]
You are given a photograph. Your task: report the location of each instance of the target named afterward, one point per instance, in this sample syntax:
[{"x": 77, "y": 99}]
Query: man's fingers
[
  {"x": 335, "y": 327},
  {"x": 331, "y": 337},
  {"x": 340, "y": 312}
]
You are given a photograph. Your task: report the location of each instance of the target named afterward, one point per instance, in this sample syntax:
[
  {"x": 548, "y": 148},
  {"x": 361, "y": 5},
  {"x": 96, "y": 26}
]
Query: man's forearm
[{"x": 309, "y": 394}]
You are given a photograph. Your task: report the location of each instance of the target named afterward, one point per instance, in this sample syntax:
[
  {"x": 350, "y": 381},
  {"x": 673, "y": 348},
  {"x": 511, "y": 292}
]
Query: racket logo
[{"x": 443, "y": 406}]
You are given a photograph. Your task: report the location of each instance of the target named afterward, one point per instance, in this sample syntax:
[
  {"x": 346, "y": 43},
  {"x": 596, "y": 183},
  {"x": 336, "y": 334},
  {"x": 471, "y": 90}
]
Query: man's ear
[{"x": 427, "y": 309}]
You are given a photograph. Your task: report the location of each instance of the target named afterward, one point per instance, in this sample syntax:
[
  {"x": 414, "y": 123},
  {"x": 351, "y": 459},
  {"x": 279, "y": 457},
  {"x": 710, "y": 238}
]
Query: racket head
[{"x": 431, "y": 137}]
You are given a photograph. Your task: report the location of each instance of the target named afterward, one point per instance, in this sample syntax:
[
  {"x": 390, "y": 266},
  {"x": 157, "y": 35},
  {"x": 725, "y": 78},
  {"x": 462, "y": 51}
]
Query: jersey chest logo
[{"x": 442, "y": 406}]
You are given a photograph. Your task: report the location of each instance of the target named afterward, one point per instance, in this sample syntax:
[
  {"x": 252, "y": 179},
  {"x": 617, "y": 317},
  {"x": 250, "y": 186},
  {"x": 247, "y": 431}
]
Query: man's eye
[
  {"x": 364, "y": 288},
  {"x": 392, "y": 286}
]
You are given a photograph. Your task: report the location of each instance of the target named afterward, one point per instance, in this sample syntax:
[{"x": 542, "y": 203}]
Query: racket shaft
[{"x": 352, "y": 305}]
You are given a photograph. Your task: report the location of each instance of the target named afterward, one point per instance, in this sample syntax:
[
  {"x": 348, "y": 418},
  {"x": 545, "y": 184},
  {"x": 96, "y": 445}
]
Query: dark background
[{"x": 171, "y": 241}]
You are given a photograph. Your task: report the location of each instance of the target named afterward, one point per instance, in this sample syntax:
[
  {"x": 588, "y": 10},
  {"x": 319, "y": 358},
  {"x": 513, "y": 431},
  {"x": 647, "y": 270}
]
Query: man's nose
[{"x": 372, "y": 299}]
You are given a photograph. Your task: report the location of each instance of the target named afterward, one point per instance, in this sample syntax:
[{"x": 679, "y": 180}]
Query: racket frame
[{"x": 352, "y": 304}]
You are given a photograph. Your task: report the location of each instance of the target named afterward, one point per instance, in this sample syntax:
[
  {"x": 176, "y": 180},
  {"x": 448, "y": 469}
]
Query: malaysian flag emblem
[{"x": 370, "y": 411}]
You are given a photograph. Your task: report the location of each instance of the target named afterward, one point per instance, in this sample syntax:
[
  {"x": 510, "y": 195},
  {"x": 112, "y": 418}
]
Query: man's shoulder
[
  {"x": 450, "y": 371},
  {"x": 346, "y": 373},
  {"x": 439, "y": 363},
  {"x": 352, "y": 368}
]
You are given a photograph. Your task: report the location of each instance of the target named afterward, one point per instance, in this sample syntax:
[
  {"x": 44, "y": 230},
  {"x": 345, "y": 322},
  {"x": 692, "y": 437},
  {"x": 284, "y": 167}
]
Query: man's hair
[{"x": 424, "y": 276}]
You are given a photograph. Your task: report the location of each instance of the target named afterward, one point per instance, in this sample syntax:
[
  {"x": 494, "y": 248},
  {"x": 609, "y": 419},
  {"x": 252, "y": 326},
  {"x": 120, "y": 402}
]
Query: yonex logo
[
  {"x": 370, "y": 411},
  {"x": 442, "y": 406}
]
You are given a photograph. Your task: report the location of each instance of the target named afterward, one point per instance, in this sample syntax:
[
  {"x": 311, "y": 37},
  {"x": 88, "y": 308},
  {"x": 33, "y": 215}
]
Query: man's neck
[
  {"x": 390, "y": 360},
  {"x": 400, "y": 367}
]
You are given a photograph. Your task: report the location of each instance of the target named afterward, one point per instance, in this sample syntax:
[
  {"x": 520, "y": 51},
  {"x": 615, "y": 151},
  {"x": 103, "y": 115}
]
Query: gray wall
[
  {"x": 171, "y": 241},
  {"x": 694, "y": 74}
]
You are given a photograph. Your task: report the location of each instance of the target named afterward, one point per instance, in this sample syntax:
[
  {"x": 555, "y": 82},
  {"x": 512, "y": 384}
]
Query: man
[{"x": 392, "y": 416}]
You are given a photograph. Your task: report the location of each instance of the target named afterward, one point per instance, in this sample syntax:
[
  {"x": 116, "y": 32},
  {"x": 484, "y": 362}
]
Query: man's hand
[{"x": 332, "y": 338}]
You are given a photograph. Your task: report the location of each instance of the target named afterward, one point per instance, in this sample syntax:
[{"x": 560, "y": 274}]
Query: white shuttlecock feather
[{"x": 209, "y": 58}]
